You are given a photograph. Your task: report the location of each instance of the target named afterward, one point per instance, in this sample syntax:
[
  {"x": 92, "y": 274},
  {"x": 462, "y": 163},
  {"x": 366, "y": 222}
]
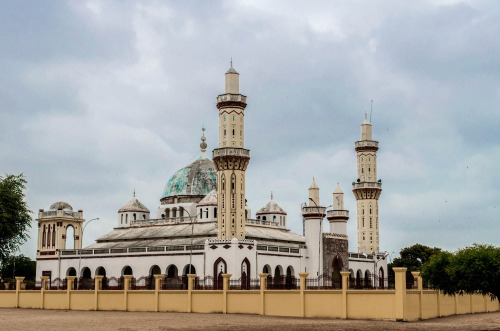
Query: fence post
[
  {"x": 225, "y": 288},
  {"x": 97, "y": 287},
  {"x": 126, "y": 288},
  {"x": 263, "y": 286},
  {"x": 158, "y": 279},
  {"x": 345, "y": 285},
  {"x": 70, "y": 280},
  {"x": 191, "y": 278},
  {"x": 19, "y": 281},
  {"x": 303, "y": 286},
  {"x": 418, "y": 278},
  {"x": 400, "y": 295},
  {"x": 439, "y": 302},
  {"x": 42, "y": 289}
]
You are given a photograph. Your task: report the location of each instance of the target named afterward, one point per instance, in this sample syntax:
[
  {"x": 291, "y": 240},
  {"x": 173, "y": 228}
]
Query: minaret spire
[{"x": 203, "y": 145}]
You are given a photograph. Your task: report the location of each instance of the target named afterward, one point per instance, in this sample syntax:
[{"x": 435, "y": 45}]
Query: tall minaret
[
  {"x": 231, "y": 159},
  {"x": 313, "y": 215},
  {"x": 367, "y": 191},
  {"x": 338, "y": 216}
]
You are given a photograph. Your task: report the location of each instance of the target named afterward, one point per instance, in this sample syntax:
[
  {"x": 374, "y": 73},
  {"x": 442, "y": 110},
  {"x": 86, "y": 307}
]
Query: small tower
[
  {"x": 313, "y": 215},
  {"x": 132, "y": 212},
  {"x": 338, "y": 216},
  {"x": 367, "y": 191},
  {"x": 59, "y": 228},
  {"x": 272, "y": 213},
  {"x": 231, "y": 159}
]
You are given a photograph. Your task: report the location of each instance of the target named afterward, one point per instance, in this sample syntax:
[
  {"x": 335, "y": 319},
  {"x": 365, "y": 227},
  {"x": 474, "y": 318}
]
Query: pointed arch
[
  {"x": 245, "y": 274},
  {"x": 220, "y": 267}
]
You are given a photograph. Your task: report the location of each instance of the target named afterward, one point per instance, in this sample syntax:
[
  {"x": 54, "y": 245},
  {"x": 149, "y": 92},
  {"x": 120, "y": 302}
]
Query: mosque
[{"x": 203, "y": 225}]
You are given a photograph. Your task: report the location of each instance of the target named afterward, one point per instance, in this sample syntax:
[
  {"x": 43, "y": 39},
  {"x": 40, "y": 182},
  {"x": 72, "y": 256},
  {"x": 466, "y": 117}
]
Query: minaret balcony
[
  {"x": 229, "y": 100},
  {"x": 363, "y": 185},
  {"x": 337, "y": 215},
  {"x": 366, "y": 145},
  {"x": 229, "y": 151},
  {"x": 313, "y": 212},
  {"x": 58, "y": 213}
]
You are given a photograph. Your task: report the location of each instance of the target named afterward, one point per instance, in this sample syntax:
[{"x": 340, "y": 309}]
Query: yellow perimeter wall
[{"x": 398, "y": 304}]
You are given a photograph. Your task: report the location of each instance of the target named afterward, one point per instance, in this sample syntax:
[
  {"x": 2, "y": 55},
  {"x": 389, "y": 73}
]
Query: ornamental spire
[{"x": 203, "y": 144}]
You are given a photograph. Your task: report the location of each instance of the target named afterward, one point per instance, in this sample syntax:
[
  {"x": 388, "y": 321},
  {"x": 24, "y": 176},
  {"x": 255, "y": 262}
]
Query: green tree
[
  {"x": 18, "y": 266},
  {"x": 15, "y": 217},
  {"x": 413, "y": 257},
  {"x": 470, "y": 270}
]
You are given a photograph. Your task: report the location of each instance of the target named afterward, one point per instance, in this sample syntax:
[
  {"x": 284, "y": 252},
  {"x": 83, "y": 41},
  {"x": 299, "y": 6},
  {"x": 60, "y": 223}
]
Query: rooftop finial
[
  {"x": 203, "y": 144},
  {"x": 271, "y": 195},
  {"x": 231, "y": 61},
  {"x": 365, "y": 115},
  {"x": 134, "y": 192},
  {"x": 371, "y": 109}
]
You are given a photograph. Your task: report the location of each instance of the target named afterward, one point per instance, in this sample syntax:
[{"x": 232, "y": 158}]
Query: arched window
[
  {"x": 206, "y": 212},
  {"x": 71, "y": 272},
  {"x": 126, "y": 219},
  {"x": 44, "y": 237},
  {"x": 70, "y": 237},
  {"x": 143, "y": 216},
  {"x": 127, "y": 271},
  {"x": 201, "y": 213},
  {"x": 263, "y": 218},
  {"x": 215, "y": 212},
  {"x": 135, "y": 217},
  {"x": 167, "y": 213},
  {"x": 48, "y": 237},
  {"x": 121, "y": 221}
]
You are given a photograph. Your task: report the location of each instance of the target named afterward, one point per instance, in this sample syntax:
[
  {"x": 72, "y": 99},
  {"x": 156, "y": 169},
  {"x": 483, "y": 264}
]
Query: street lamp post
[
  {"x": 191, "y": 246},
  {"x": 80, "y": 252}
]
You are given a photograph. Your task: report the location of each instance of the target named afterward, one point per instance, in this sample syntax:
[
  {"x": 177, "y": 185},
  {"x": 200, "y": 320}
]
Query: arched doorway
[
  {"x": 290, "y": 278},
  {"x": 220, "y": 267},
  {"x": 245, "y": 274},
  {"x": 71, "y": 272},
  {"x": 86, "y": 273},
  {"x": 172, "y": 271},
  {"x": 100, "y": 271},
  {"x": 127, "y": 271},
  {"x": 154, "y": 270},
  {"x": 368, "y": 279},
  {"x": 381, "y": 278},
  {"x": 337, "y": 266},
  {"x": 277, "y": 280},
  {"x": 359, "y": 278}
]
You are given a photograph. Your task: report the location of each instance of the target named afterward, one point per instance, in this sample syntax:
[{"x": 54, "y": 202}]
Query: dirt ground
[{"x": 35, "y": 319}]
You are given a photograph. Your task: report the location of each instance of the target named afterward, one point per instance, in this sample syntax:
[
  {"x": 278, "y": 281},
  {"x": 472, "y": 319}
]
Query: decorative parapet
[
  {"x": 228, "y": 151},
  {"x": 229, "y": 99},
  {"x": 366, "y": 144},
  {"x": 313, "y": 212},
  {"x": 158, "y": 221},
  {"x": 58, "y": 213},
  {"x": 335, "y": 236},
  {"x": 337, "y": 214},
  {"x": 262, "y": 222},
  {"x": 130, "y": 250},
  {"x": 362, "y": 185}
]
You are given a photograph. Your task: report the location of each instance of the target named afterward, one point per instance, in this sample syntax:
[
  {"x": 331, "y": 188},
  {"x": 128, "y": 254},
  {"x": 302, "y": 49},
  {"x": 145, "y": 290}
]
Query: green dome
[{"x": 198, "y": 178}]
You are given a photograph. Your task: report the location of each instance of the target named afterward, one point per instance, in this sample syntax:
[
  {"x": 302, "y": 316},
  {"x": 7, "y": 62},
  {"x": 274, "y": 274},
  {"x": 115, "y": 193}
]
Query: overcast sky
[{"x": 100, "y": 97}]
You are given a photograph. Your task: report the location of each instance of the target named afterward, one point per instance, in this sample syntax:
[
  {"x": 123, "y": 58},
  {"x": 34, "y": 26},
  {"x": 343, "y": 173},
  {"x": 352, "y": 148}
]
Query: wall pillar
[
  {"x": 44, "y": 279},
  {"x": 439, "y": 303},
  {"x": 19, "y": 282},
  {"x": 97, "y": 288},
  {"x": 191, "y": 278},
  {"x": 158, "y": 279},
  {"x": 400, "y": 295},
  {"x": 70, "y": 280},
  {"x": 126, "y": 287},
  {"x": 263, "y": 286},
  {"x": 225, "y": 288},
  {"x": 303, "y": 286},
  {"x": 345, "y": 285},
  {"x": 418, "y": 279}
]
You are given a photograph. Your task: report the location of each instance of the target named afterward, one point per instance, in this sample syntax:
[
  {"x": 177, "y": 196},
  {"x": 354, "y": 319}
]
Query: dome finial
[
  {"x": 203, "y": 144},
  {"x": 134, "y": 192},
  {"x": 271, "y": 195}
]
